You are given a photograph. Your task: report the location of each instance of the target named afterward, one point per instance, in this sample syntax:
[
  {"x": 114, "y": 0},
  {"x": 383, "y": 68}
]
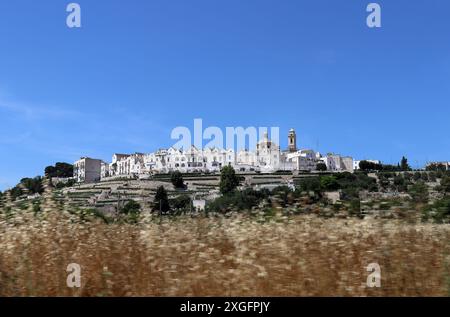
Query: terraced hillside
[{"x": 114, "y": 193}]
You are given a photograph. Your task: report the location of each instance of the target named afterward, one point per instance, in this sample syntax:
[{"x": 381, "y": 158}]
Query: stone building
[
  {"x": 87, "y": 170},
  {"x": 338, "y": 163}
]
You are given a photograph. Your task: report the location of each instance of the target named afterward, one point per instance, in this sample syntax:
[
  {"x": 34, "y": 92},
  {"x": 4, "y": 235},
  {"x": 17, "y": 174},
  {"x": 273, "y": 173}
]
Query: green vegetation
[
  {"x": 161, "y": 202},
  {"x": 309, "y": 184},
  {"x": 419, "y": 192},
  {"x": 370, "y": 166},
  {"x": 404, "y": 166},
  {"x": 33, "y": 185},
  {"x": 130, "y": 212},
  {"x": 27, "y": 185},
  {"x": 177, "y": 180},
  {"x": 238, "y": 200},
  {"x": 439, "y": 211},
  {"x": 329, "y": 183},
  {"x": 445, "y": 184},
  {"x": 400, "y": 183},
  {"x": 131, "y": 207},
  {"x": 229, "y": 181},
  {"x": 62, "y": 185},
  {"x": 350, "y": 184},
  {"x": 61, "y": 170},
  {"x": 181, "y": 204}
]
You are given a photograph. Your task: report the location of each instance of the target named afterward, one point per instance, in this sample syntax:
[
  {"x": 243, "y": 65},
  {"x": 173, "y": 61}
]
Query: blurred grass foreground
[{"x": 218, "y": 255}]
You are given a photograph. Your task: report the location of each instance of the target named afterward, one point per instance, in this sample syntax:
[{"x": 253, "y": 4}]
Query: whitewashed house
[{"x": 87, "y": 170}]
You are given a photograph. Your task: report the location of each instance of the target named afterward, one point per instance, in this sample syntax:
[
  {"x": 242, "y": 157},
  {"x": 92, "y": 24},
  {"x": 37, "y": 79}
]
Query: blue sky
[{"x": 137, "y": 69}]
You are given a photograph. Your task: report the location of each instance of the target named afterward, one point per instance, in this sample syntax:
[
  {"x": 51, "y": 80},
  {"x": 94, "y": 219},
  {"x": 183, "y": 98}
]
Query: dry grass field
[{"x": 220, "y": 256}]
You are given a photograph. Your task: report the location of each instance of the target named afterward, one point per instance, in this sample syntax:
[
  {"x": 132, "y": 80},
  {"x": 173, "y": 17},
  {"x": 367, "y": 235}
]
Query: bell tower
[{"x": 292, "y": 141}]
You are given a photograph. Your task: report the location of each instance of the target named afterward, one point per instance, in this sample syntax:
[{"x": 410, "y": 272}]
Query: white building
[
  {"x": 268, "y": 155},
  {"x": 124, "y": 164},
  {"x": 302, "y": 160},
  {"x": 87, "y": 170},
  {"x": 199, "y": 204},
  {"x": 191, "y": 160}
]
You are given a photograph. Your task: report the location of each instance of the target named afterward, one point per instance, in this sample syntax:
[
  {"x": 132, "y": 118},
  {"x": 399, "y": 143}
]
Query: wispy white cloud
[
  {"x": 32, "y": 112},
  {"x": 61, "y": 133}
]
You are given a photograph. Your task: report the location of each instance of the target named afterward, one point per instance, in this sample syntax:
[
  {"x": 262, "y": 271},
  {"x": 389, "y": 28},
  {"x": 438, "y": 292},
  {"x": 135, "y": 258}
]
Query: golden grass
[{"x": 219, "y": 256}]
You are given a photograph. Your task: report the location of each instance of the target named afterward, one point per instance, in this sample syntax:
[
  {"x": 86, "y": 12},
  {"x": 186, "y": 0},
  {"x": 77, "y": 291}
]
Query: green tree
[
  {"x": 370, "y": 166},
  {"x": 177, "y": 179},
  {"x": 182, "y": 202},
  {"x": 322, "y": 167},
  {"x": 33, "y": 185},
  {"x": 50, "y": 171},
  {"x": 60, "y": 169},
  {"x": 309, "y": 184},
  {"x": 229, "y": 181},
  {"x": 404, "y": 166},
  {"x": 161, "y": 202},
  {"x": 329, "y": 183},
  {"x": 390, "y": 168},
  {"x": 131, "y": 207}
]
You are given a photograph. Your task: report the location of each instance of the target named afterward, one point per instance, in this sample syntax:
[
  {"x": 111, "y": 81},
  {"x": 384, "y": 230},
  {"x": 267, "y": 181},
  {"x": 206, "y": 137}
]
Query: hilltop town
[{"x": 267, "y": 158}]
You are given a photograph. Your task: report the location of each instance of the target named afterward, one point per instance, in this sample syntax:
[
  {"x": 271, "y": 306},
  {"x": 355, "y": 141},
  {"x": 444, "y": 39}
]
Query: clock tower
[{"x": 292, "y": 141}]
